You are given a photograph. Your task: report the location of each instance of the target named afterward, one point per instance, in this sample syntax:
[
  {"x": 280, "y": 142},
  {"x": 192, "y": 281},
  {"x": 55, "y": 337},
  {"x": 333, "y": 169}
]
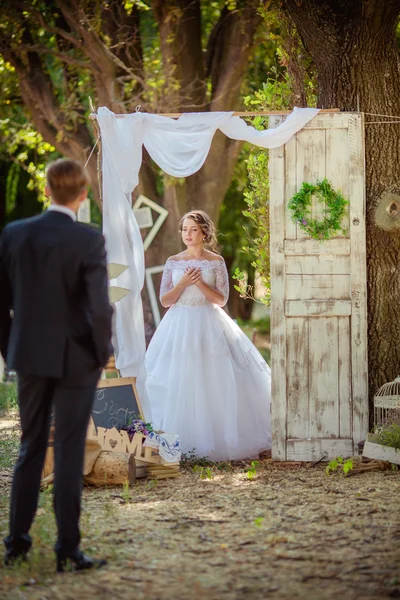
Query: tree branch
[
  {"x": 228, "y": 53},
  {"x": 66, "y": 58},
  {"x": 45, "y": 113},
  {"x": 38, "y": 16},
  {"x": 123, "y": 30},
  {"x": 179, "y": 23}
]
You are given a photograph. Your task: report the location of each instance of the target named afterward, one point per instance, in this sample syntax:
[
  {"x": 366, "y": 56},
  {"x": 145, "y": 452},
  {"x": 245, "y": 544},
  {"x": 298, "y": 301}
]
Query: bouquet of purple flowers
[{"x": 137, "y": 426}]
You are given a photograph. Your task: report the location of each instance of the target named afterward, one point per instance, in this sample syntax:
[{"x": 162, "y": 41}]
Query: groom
[{"x": 53, "y": 278}]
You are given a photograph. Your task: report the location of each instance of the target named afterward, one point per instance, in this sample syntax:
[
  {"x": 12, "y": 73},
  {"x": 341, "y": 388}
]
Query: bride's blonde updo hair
[{"x": 206, "y": 225}]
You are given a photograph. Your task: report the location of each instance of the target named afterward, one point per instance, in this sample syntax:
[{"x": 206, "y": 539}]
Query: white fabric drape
[{"x": 180, "y": 147}]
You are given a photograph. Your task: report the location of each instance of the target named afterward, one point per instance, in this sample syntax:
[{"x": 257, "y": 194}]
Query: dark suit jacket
[{"x": 53, "y": 277}]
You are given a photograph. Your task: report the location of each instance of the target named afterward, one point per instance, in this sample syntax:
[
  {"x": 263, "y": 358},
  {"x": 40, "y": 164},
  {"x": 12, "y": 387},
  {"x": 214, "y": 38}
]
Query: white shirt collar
[{"x": 63, "y": 209}]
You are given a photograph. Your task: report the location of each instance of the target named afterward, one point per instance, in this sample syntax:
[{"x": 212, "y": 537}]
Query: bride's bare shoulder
[
  {"x": 179, "y": 256},
  {"x": 214, "y": 256}
]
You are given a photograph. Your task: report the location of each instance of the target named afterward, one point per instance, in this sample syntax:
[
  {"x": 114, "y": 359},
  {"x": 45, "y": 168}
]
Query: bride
[{"x": 205, "y": 379}]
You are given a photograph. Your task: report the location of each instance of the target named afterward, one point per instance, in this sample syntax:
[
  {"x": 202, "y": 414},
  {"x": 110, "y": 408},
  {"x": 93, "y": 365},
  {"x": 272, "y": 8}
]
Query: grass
[
  {"x": 8, "y": 451},
  {"x": 388, "y": 435},
  {"x": 9, "y": 444},
  {"x": 8, "y": 397}
]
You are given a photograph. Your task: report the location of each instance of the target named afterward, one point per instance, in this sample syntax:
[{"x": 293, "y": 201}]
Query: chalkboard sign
[{"x": 116, "y": 403}]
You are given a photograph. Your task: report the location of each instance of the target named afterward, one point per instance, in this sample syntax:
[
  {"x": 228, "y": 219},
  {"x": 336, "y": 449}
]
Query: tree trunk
[{"x": 354, "y": 48}]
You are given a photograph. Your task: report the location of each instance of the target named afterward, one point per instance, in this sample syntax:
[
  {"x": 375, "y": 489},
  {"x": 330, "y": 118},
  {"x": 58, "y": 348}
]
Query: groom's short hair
[{"x": 66, "y": 179}]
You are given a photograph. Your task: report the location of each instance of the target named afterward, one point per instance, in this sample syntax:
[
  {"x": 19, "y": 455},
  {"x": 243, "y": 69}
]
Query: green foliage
[
  {"x": 8, "y": 397},
  {"x": 126, "y": 492},
  {"x": 233, "y": 227},
  {"x": 257, "y": 229},
  {"x": 389, "y": 436},
  {"x": 204, "y": 472},
  {"x": 338, "y": 464},
  {"x": 275, "y": 94},
  {"x": 129, "y": 4},
  {"x": 190, "y": 460},
  {"x": 19, "y": 142},
  {"x": 232, "y": 234},
  {"x": 12, "y": 186},
  {"x": 252, "y": 472},
  {"x": 334, "y": 211},
  {"x": 9, "y": 446},
  {"x": 292, "y": 63}
]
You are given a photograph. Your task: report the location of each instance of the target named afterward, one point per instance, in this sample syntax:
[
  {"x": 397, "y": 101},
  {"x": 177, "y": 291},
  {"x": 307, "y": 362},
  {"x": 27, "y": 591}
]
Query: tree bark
[{"x": 354, "y": 48}]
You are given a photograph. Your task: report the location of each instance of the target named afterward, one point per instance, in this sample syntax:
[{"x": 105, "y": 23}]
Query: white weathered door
[{"x": 318, "y": 297}]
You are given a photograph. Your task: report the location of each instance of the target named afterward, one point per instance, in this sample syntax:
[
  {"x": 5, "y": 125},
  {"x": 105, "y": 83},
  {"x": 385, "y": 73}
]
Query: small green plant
[
  {"x": 191, "y": 459},
  {"x": 204, "y": 472},
  {"x": 126, "y": 493},
  {"x": 389, "y": 436},
  {"x": 258, "y": 521},
  {"x": 252, "y": 472},
  {"x": 151, "y": 484},
  {"x": 339, "y": 464},
  {"x": 225, "y": 467}
]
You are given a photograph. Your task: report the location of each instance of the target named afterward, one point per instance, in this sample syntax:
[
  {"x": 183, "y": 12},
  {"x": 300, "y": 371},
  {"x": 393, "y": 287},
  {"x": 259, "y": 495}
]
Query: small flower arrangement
[{"x": 137, "y": 426}]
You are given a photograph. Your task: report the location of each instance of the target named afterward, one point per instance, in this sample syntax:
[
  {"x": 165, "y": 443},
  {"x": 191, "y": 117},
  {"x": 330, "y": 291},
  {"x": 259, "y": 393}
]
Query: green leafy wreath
[{"x": 335, "y": 210}]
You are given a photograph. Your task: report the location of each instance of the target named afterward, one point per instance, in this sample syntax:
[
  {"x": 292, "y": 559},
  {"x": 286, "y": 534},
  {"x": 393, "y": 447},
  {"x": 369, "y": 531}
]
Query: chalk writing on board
[{"x": 115, "y": 406}]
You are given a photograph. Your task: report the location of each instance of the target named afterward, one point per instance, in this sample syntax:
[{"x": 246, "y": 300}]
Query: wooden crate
[
  {"x": 163, "y": 471},
  {"x": 378, "y": 452}
]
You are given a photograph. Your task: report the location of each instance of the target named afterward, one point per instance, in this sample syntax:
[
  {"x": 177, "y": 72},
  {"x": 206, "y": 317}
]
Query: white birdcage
[{"x": 387, "y": 404}]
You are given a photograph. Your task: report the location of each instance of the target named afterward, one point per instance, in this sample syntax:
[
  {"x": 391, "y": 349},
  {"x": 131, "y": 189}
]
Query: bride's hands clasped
[{"x": 191, "y": 277}]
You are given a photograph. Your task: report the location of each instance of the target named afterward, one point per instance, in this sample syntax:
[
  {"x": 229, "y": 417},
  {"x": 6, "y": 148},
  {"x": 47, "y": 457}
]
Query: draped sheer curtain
[{"x": 179, "y": 147}]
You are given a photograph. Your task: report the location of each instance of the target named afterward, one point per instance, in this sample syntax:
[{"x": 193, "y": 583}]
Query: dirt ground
[{"x": 290, "y": 532}]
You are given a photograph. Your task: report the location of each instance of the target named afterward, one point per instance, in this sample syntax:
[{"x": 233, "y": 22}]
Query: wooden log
[
  {"x": 112, "y": 468},
  {"x": 92, "y": 451}
]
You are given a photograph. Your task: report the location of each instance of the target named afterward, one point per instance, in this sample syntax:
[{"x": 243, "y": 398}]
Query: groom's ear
[
  {"x": 83, "y": 195},
  {"x": 47, "y": 191}
]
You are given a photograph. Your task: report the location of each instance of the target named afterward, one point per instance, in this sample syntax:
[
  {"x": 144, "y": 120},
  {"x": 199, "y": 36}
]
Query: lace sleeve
[
  {"x": 166, "y": 281},
  {"x": 222, "y": 280}
]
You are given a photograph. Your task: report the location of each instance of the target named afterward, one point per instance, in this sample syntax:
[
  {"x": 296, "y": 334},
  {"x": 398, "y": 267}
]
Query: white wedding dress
[{"x": 206, "y": 381}]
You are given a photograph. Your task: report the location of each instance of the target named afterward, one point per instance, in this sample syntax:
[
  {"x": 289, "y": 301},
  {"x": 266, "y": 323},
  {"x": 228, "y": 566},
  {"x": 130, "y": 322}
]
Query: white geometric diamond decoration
[
  {"x": 144, "y": 217},
  {"x": 159, "y": 221}
]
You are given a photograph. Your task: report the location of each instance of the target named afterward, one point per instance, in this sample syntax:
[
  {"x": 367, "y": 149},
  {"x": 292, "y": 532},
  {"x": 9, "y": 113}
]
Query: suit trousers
[{"x": 72, "y": 400}]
